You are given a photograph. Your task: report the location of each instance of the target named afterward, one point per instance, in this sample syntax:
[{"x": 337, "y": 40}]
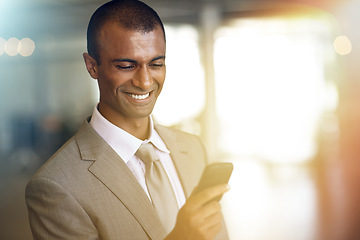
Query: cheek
[
  {"x": 112, "y": 81},
  {"x": 160, "y": 85},
  {"x": 160, "y": 77},
  {"x": 107, "y": 87}
]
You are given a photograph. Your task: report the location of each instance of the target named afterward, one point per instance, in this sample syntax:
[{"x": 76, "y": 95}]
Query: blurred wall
[{"x": 44, "y": 98}]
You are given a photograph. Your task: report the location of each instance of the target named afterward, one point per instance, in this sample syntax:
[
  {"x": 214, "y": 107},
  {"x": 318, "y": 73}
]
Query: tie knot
[{"x": 146, "y": 153}]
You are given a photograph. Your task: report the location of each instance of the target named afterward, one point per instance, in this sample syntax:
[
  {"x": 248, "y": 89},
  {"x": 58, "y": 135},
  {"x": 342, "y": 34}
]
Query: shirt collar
[
  {"x": 155, "y": 139},
  {"x": 121, "y": 141}
]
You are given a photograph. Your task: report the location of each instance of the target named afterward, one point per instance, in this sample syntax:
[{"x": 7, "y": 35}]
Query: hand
[{"x": 200, "y": 218}]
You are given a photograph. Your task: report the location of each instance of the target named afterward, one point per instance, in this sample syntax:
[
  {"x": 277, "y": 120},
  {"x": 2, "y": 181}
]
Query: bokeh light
[
  {"x": 2, "y": 46},
  {"x": 26, "y": 47},
  {"x": 342, "y": 45},
  {"x": 12, "y": 46}
]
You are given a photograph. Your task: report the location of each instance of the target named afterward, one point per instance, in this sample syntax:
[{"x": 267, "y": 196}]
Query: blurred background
[{"x": 270, "y": 85}]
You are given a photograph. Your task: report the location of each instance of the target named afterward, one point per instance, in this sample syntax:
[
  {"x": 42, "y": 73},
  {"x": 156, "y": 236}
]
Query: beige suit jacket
[{"x": 85, "y": 191}]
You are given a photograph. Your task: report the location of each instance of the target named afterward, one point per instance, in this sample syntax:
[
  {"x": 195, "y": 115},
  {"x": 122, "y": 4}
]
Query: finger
[
  {"x": 214, "y": 229},
  {"x": 209, "y": 209},
  {"x": 208, "y": 194},
  {"x": 214, "y": 220},
  {"x": 211, "y": 226}
]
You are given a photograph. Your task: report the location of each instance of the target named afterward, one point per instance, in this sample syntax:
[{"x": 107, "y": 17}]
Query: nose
[{"x": 143, "y": 78}]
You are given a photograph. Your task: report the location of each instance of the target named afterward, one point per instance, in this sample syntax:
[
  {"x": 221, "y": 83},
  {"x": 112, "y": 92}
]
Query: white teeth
[{"x": 139, "y": 97}]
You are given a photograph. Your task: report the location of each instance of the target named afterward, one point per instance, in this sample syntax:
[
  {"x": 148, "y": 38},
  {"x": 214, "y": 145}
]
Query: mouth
[{"x": 139, "y": 96}]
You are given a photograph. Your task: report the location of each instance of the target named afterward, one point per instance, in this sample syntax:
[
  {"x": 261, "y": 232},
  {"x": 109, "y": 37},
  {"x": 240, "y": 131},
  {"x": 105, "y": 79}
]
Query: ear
[{"x": 91, "y": 65}]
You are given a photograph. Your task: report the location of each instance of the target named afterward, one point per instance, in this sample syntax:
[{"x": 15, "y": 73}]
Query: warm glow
[
  {"x": 183, "y": 95},
  {"x": 342, "y": 45},
  {"x": 271, "y": 88},
  {"x": 267, "y": 206}
]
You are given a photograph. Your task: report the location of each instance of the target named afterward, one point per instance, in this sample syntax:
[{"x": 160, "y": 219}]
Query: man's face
[{"x": 131, "y": 73}]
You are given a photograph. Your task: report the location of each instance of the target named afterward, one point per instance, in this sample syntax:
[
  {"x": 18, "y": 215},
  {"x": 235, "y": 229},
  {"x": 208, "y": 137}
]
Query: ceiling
[{"x": 31, "y": 18}]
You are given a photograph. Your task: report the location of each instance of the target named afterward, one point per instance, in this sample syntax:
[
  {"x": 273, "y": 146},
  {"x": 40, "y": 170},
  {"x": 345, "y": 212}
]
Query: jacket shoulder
[
  {"x": 173, "y": 132},
  {"x": 66, "y": 162}
]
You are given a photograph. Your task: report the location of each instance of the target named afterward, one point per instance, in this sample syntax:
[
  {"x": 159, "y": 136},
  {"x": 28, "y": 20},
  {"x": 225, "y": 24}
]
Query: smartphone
[{"x": 214, "y": 174}]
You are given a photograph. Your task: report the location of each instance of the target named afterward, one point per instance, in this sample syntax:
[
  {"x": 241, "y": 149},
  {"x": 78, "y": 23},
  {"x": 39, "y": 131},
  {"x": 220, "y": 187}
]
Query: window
[
  {"x": 272, "y": 86},
  {"x": 183, "y": 96}
]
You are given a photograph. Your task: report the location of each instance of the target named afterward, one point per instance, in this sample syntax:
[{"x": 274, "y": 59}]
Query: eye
[
  {"x": 127, "y": 67},
  {"x": 157, "y": 65}
]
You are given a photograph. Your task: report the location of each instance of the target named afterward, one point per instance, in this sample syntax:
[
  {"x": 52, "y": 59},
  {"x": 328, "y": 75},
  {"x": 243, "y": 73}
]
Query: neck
[{"x": 138, "y": 127}]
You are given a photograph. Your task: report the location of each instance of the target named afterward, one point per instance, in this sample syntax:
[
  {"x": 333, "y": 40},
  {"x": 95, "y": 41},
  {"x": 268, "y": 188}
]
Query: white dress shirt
[{"x": 126, "y": 145}]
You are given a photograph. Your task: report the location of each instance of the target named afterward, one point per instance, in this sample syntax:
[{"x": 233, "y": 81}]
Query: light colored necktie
[{"x": 159, "y": 187}]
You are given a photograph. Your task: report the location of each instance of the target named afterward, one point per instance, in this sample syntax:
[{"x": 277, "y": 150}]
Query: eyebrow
[
  {"x": 134, "y": 61},
  {"x": 158, "y": 58}
]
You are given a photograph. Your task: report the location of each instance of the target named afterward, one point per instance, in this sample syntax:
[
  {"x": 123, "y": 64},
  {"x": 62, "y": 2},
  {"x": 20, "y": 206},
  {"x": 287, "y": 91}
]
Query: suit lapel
[
  {"x": 188, "y": 168},
  {"x": 111, "y": 170}
]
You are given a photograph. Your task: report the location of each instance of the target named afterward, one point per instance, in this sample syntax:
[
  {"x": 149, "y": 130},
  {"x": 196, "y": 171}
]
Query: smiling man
[
  {"x": 122, "y": 176},
  {"x": 130, "y": 73}
]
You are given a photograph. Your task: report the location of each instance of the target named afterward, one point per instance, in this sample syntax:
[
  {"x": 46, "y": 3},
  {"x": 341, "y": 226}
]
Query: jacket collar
[
  {"x": 115, "y": 175},
  {"x": 179, "y": 147}
]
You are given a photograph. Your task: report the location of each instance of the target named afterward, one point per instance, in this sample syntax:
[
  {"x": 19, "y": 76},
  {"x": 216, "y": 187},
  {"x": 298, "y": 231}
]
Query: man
[{"x": 97, "y": 185}]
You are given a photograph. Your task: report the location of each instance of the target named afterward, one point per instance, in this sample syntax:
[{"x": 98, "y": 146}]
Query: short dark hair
[{"x": 130, "y": 14}]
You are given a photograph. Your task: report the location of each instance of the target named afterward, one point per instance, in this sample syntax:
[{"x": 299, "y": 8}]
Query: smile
[{"x": 139, "y": 97}]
